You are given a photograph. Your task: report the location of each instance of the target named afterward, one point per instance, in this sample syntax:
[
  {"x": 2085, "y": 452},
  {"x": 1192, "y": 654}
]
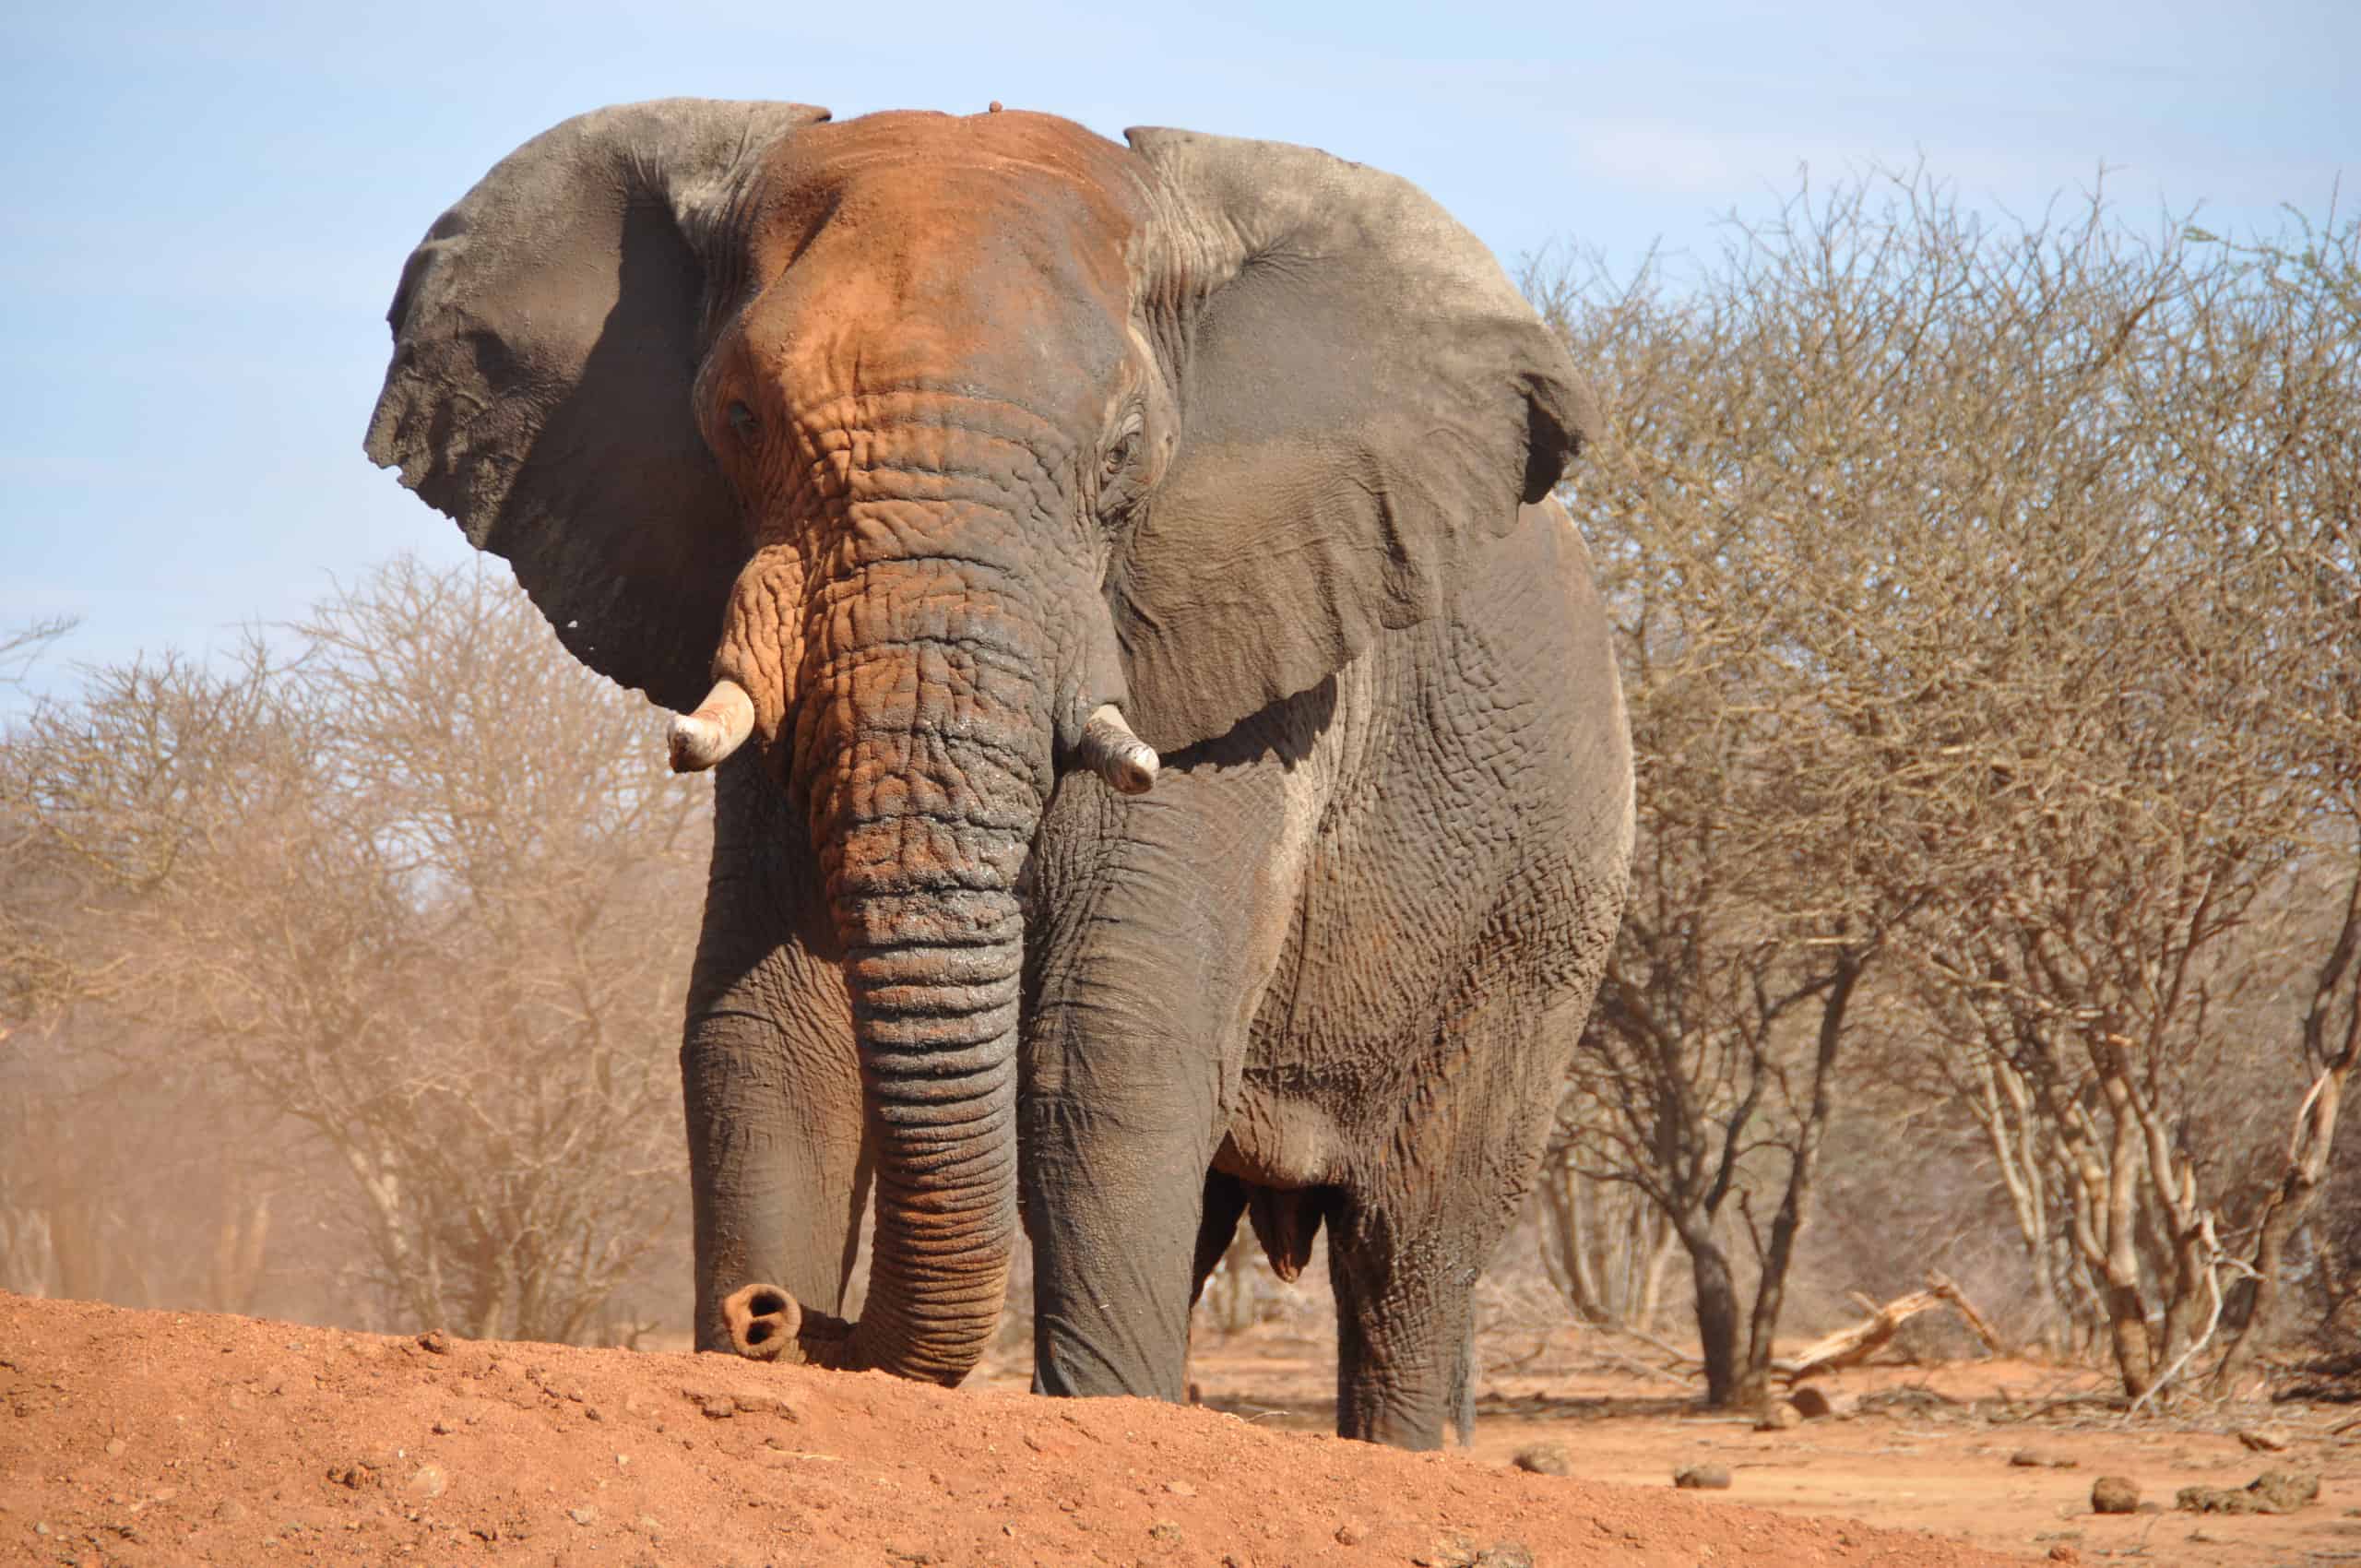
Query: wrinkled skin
[{"x": 934, "y": 434}]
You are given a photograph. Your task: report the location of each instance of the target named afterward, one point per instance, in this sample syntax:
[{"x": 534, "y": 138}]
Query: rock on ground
[
  {"x": 2115, "y": 1494},
  {"x": 2274, "y": 1492},
  {"x": 1544, "y": 1459}
]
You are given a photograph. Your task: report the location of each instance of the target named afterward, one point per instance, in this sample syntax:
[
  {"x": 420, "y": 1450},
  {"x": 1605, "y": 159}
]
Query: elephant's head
[{"x": 939, "y": 456}]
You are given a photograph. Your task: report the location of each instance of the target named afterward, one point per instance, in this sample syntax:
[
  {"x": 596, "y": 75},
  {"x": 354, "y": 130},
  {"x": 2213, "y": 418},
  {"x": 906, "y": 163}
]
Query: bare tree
[
  {"x": 36, "y": 972},
  {"x": 1605, "y": 1245},
  {"x": 1712, "y": 1064},
  {"x": 421, "y": 891},
  {"x": 1989, "y": 615}
]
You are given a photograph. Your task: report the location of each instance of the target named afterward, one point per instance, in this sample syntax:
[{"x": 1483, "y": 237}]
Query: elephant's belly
[{"x": 1278, "y": 1142}]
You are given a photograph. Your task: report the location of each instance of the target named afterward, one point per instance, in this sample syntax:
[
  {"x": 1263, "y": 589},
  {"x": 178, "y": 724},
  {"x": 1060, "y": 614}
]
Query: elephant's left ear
[{"x": 1363, "y": 394}]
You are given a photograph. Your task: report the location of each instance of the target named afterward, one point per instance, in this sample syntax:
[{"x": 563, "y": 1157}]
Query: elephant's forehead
[
  {"x": 899, "y": 186},
  {"x": 918, "y": 249}
]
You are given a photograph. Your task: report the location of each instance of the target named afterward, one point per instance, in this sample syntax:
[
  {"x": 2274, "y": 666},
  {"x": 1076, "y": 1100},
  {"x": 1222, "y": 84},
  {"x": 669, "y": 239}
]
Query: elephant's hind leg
[{"x": 1403, "y": 1276}]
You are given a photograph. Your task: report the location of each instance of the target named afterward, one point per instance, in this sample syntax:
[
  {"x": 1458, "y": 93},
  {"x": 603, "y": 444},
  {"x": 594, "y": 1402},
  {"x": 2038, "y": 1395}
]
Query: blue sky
[{"x": 208, "y": 206}]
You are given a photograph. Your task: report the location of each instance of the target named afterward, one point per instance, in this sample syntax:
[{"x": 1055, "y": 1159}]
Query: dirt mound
[{"x": 158, "y": 1438}]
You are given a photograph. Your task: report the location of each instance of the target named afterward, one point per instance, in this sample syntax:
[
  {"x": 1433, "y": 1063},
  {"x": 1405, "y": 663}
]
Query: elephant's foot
[{"x": 766, "y": 1324}]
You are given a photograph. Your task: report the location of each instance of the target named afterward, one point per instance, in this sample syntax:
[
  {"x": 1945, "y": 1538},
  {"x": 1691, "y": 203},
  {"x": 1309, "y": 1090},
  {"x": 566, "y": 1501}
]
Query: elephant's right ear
[{"x": 546, "y": 335}]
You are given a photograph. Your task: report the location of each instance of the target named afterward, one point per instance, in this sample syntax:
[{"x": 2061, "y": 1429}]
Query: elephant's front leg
[
  {"x": 778, "y": 1173},
  {"x": 1162, "y": 918}
]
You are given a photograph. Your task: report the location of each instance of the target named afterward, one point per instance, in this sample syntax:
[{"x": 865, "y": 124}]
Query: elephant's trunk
[{"x": 921, "y": 747}]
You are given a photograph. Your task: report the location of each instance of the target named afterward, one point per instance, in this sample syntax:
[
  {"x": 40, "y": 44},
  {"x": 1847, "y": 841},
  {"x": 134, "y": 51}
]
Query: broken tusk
[
  {"x": 718, "y": 728},
  {"x": 1111, "y": 750}
]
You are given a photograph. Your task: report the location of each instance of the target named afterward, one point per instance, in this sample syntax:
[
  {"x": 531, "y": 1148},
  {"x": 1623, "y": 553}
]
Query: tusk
[
  {"x": 718, "y": 728},
  {"x": 1111, "y": 750}
]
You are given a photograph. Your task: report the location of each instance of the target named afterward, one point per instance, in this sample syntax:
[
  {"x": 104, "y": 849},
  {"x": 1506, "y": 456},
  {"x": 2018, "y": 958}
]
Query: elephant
[{"x": 1169, "y": 760}]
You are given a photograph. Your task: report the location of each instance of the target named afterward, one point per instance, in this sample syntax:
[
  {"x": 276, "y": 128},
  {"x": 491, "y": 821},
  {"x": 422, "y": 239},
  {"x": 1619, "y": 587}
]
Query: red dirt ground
[
  {"x": 164, "y": 1438},
  {"x": 1995, "y": 1451}
]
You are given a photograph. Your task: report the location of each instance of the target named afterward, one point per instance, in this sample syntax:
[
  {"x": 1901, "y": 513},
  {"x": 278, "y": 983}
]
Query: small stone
[
  {"x": 1782, "y": 1416},
  {"x": 1351, "y": 1533},
  {"x": 435, "y": 1342},
  {"x": 2115, "y": 1494},
  {"x": 1703, "y": 1477},
  {"x": 1811, "y": 1403},
  {"x": 583, "y": 1516},
  {"x": 2264, "y": 1440},
  {"x": 718, "y": 1407},
  {"x": 593, "y": 1412},
  {"x": 2034, "y": 1459},
  {"x": 1453, "y": 1549},
  {"x": 1181, "y": 1489},
  {"x": 647, "y": 1526},
  {"x": 115, "y": 1446},
  {"x": 2274, "y": 1492},
  {"x": 427, "y": 1480},
  {"x": 1544, "y": 1459},
  {"x": 1164, "y": 1532},
  {"x": 2061, "y": 1552},
  {"x": 441, "y": 1428}
]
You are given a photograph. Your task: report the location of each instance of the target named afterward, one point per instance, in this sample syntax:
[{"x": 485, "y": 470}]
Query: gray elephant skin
[{"x": 1170, "y": 766}]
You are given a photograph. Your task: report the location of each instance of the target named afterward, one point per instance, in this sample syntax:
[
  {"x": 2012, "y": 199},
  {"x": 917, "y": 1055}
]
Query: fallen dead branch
[{"x": 1850, "y": 1347}]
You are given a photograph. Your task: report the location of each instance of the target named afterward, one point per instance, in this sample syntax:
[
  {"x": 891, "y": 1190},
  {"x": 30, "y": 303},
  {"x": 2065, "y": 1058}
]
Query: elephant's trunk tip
[
  {"x": 766, "y": 1324},
  {"x": 1109, "y": 749},
  {"x": 719, "y": 726}
]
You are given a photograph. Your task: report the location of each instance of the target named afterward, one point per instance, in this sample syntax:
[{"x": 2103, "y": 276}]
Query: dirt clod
[
  {"x": 1352, "y": 1532},
  {"x": 436, "y": 1342},
  {"x": 1703, "y": 1477},
  {"x": 1782, "y": 1416},
  {"x": 2115, "y": 1494},
  {"x": 2037, "y": 1459},
  {"x": 2274, "y": 1492},
  {"x": 2264, "y": 1440},
  {"x": 1544, "y": 1459},
  {"x": 1813, "y": 1403}
]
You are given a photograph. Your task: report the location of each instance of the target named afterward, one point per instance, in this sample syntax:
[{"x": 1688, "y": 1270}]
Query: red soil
[{"x": 160, "y": 1438}]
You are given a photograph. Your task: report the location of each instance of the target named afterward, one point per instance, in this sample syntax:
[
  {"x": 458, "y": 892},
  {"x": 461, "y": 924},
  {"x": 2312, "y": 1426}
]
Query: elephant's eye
[
  {"x": 1120, "y": 454},
  {"x": 741, "y": 419}
]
